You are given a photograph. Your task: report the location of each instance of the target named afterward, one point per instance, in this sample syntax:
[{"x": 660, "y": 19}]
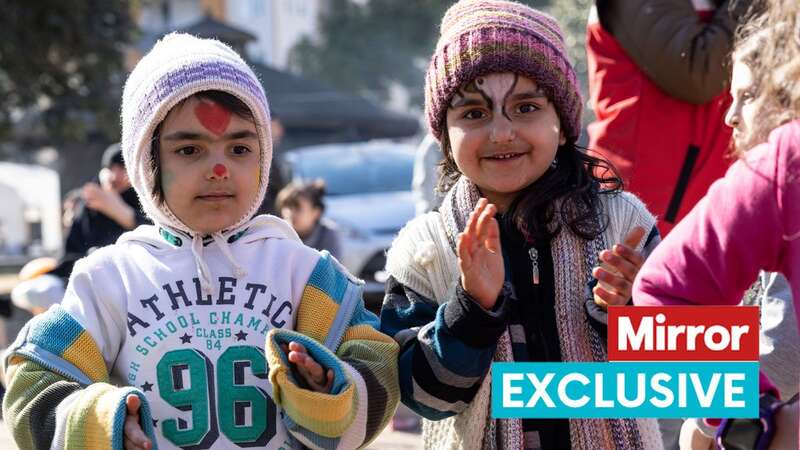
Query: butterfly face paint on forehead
[
  {"x": 213, "y": 116},
  {"x": 495, "y": 90}
]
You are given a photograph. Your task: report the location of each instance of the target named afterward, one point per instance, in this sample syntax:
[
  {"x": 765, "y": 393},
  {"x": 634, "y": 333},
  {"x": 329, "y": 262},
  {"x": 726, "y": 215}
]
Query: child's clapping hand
[
  {"x": 314, "y": 375},
  {"x": 618, "y": 269},
  {"x": 480, "y": 258},
  {"x": 134, "y": 437}
]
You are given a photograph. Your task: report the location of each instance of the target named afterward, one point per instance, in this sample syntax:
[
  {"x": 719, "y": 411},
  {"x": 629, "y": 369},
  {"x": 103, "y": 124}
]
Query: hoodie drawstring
[
  {"x": 202, "y": 268},
  {"x": 203, "y": 271},
  {"x": 238, "y": 270}
]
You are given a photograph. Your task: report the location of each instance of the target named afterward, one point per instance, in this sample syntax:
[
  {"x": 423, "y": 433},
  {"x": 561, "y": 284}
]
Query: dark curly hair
[{"x": 313, "y": 191}]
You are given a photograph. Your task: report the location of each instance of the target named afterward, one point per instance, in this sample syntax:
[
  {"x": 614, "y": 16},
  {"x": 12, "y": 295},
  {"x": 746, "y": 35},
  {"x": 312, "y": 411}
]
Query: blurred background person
[
  {"x": 95, "y": 216},
  {"x": 69, "y": 207},
  {"x": 302, "y": 205},
  {"x": 105, "y": 210},
  {"x": 427, "y": 158},
  {"x": 100, "y": 214},
  {"x": 277, "y": 179},
  {"x": 658, "y": 77}
]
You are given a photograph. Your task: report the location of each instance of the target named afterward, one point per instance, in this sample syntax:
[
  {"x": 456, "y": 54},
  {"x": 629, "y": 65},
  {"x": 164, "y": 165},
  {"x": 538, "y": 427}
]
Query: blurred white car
[{"x": 368, "y": 197}]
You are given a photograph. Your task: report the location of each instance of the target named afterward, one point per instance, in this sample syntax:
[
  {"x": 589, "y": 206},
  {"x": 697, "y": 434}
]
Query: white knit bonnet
[{"x": 179, "y": 66}]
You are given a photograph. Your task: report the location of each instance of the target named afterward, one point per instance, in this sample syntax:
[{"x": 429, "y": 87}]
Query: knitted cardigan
[{"x": 423, "y": 259}]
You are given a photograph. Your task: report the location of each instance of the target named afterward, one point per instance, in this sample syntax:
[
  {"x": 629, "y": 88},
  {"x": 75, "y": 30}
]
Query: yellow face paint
[
  {"x": 166, "y": 180},
  {"x": 258, "y": 172}
]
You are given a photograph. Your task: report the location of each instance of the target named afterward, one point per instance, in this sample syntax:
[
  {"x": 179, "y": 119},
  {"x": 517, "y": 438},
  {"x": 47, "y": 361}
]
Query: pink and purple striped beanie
[{"x": 479, "y": 37}]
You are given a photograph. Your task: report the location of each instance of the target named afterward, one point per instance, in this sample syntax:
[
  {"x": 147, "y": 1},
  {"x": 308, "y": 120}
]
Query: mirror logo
[{"x": 664, "y": 362}]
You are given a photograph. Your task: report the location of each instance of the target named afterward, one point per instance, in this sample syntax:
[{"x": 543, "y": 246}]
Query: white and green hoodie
[
  {"x": 206, "y": 364},
  {"x": 192, "y": 324}
]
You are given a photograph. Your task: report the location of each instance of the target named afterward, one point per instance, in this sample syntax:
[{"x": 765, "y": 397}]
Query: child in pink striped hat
[{"x": 507, "y": 268}]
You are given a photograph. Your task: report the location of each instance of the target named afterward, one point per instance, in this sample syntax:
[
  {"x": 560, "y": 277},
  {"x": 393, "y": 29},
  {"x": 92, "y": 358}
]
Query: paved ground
[
  {"x": 388, "y": 440},
  {"x": 396, "y": 440}
]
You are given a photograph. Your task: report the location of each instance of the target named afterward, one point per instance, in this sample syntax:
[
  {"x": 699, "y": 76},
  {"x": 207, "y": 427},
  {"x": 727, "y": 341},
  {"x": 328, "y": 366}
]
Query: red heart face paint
[
  {"x": 220, "y": 170},
  {"x": 214, "y": 117}
]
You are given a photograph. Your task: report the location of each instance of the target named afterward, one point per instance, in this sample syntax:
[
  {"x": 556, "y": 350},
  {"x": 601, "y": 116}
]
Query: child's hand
[
  {"x": 134, "y": 436},
  {"x": 480, "y": 258},
  {"x": 691, "y": 438},
  {"x": 312, "y": 373},
  {"x": 618, "y": 270}
]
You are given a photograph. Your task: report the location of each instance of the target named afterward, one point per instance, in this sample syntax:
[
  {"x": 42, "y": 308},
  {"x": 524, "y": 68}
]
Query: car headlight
[{"x": 375, "y": 268}]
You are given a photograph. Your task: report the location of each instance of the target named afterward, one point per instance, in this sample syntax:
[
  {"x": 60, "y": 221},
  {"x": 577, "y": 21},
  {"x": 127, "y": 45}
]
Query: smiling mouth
[{"x": 504, "y": 156}]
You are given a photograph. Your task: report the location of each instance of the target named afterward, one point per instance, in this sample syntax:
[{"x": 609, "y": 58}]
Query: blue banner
[{"x": 625, "y": 389}]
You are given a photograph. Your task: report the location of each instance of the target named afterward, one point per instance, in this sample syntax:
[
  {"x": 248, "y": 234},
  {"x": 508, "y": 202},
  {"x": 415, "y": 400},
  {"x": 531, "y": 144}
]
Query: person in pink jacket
[{"x": 748, "y": 221}]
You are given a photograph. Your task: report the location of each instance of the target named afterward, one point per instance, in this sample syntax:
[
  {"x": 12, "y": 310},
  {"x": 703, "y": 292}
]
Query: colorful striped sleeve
[
  {"x": 58, "y": 392},
  {"x": 445, "y": 350},
  {"x": 365, "y": 394}
]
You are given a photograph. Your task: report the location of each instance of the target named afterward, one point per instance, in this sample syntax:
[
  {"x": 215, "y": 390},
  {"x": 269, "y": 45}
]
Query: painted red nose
[{"x": 220, "y": 170}]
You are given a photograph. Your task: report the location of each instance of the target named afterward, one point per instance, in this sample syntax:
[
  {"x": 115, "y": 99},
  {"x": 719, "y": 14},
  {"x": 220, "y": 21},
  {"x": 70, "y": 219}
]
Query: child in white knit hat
[{"x": 223, "y": 328}]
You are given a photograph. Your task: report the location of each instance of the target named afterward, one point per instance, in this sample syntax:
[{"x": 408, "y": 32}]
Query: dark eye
[
  {"x": 474, "y": 114},
  {"x": 186, "y": 151},
  {"x": 240, "y": 150},
  {"x": 527, "y": 108}
]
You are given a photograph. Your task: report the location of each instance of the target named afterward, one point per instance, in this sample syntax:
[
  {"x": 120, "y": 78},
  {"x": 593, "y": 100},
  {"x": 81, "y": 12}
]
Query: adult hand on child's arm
[
  {"x": 315, "y": 376},
  {"x": 618, "y": 269},
  {"x": 480, "y": 258},
  {"x": 134, "y": 437}
]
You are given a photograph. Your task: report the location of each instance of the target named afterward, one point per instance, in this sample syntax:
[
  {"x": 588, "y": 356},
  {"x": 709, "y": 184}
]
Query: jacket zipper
[
  {"x": 682, "y": 184},
  {"x": 534, "y": 254}
]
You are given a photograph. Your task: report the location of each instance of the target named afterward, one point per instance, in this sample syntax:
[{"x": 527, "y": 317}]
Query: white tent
[{"x": 29, "y": 195}]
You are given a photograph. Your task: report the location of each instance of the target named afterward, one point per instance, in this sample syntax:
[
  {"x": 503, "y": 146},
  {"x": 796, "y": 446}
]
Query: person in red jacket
[{"x": 658, "y": 75}]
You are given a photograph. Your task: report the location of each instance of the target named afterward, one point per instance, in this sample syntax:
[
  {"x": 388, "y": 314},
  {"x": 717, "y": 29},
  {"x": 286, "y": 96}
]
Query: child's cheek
[
  {"x": 167, "y": 177},
  {"x": 457, "y": 137}
]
